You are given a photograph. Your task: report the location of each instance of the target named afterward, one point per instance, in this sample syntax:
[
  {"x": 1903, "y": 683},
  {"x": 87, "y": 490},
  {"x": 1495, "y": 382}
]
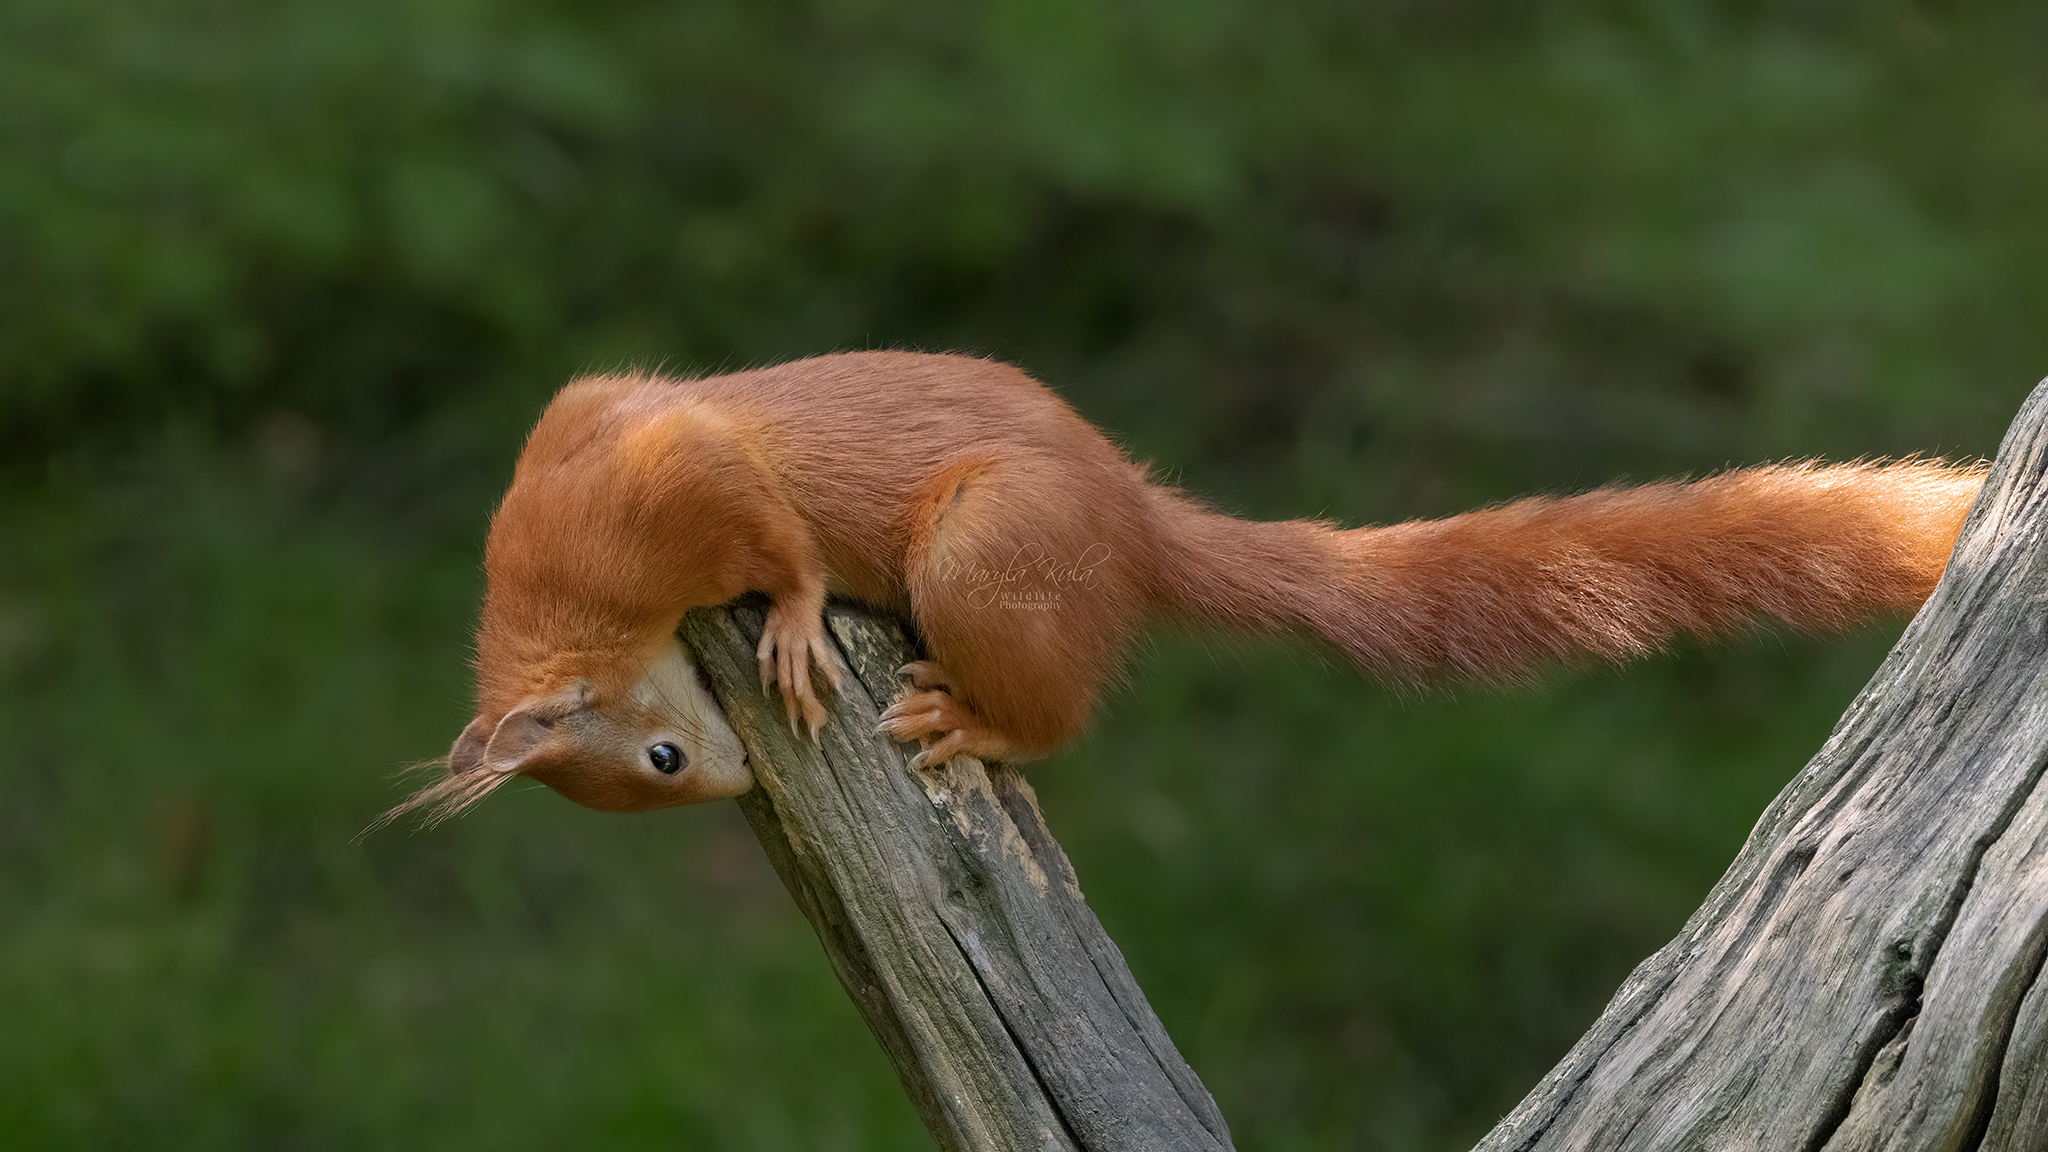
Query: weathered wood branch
[
  {"x": 953, "y": 920},
  {"x": 1867, "y": 973}
]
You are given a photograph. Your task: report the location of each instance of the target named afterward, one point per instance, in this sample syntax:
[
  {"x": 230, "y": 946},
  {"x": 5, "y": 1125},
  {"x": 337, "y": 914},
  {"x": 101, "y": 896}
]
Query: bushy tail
[{"x": 1612, "y": 573}]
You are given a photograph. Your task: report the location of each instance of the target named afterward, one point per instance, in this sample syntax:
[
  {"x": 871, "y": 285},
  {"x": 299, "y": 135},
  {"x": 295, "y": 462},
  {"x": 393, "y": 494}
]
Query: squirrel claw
[
  {"x": 909, "y": 718},
  {"x": 941, "y": 750},
  {"x": 926, "y": 676},
  {"x": 787, "y": 654}
]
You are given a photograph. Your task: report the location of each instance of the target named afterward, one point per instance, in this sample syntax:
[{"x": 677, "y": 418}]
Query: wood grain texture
[
  {"x": 953, "y": 919},
  {"x": 1867, "y": 973}
]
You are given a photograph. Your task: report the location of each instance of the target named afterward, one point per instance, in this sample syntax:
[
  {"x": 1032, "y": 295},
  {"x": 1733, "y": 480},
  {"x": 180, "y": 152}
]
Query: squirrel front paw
[{"x": 791, "y": 643}]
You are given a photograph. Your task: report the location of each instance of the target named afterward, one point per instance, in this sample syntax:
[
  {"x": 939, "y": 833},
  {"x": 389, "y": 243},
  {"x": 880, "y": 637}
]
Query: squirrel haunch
[{"x": 1027, "y": 550}]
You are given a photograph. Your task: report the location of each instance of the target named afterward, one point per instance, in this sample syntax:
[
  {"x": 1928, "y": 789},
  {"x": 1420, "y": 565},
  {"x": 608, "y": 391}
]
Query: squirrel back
[{"x": 1027, "y": 549}]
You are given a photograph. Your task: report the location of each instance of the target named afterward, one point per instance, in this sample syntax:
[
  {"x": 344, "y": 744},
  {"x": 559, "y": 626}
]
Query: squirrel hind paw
[{"x": 955, "y": 729}]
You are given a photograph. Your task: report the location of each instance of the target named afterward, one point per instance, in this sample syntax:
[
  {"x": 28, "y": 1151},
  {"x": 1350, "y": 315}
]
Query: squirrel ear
[
  {"x": 518, "y": 734},
  {"x": 468, "y": 751},
  {"x": 523, "y": 729}
]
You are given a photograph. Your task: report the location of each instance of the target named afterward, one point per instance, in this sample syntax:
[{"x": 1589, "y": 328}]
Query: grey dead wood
[
  {"x": 952, "y": 919},
  {"x": 1865, "y": 976}
]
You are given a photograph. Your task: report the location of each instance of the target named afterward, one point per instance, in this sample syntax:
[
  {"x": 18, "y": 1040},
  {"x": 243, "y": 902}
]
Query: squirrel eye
[{"x": 666, "y": 758}]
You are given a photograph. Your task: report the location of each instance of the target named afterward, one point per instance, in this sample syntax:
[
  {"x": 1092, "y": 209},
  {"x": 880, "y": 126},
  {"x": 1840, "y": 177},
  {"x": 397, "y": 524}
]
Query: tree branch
[{"x": 952, "y": 919}]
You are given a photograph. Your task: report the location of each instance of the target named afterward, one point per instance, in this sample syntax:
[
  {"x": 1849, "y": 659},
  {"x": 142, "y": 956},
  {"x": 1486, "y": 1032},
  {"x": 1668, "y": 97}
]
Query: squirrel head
[{"x": 659, "y": 743}]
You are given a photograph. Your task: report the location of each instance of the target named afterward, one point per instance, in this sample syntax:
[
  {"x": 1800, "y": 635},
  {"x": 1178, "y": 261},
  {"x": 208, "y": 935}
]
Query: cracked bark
[{"x": 1865, "y": 976}]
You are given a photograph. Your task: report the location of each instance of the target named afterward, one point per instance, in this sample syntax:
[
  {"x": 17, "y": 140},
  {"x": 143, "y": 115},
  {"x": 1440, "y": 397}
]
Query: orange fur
[{"x": 1027, "y": 550}]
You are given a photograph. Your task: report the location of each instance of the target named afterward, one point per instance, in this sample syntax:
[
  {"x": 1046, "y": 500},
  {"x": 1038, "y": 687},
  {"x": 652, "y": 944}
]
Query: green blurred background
[{"x": 282, "y": 284}]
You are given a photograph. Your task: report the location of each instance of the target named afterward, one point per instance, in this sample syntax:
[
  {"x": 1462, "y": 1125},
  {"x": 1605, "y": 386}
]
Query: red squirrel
[{"x": 1027, "y": 549}]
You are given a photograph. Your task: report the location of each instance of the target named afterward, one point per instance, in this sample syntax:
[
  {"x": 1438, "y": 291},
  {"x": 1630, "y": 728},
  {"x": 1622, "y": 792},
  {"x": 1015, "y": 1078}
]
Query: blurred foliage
[{"x": 281, "y": 284}]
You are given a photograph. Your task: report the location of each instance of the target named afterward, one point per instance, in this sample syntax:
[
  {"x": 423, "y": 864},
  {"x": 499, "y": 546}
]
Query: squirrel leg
[
  {"x": 1024, "y": 608},
  {"x": 792, "y": 642}
]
